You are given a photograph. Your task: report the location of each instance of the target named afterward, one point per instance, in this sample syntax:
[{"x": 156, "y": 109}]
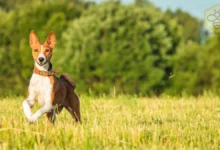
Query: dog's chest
[{"x": 41, "y": 86}]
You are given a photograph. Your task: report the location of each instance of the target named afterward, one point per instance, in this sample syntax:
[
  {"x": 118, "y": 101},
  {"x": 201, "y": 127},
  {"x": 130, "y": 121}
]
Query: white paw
[{"x": 32, "y": 119}]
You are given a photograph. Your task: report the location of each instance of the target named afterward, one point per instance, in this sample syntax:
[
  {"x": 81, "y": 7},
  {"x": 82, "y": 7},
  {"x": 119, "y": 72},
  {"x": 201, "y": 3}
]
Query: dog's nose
[{"x": 41, "y": 59}]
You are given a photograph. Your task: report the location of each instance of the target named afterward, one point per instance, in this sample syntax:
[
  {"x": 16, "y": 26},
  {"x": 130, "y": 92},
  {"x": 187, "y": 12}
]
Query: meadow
[{"x": 122, "y": 122}]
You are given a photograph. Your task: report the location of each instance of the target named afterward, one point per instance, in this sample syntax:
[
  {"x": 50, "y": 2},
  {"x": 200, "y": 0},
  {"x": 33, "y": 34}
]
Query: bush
[
  {"x": 127, "y": 48},
  {"x": 43, "y": 17},
  {"x": 131, "y": 49},
  {"x": 197, "y": 68}
]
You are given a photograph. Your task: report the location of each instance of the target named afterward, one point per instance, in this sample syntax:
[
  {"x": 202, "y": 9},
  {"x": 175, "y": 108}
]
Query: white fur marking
[
  {"x": 70, "y": 108},
  {"x": 42, "y": 87},
  {"x": 27, "y": 109},
  {"x": 41, "y": 55},
  {"x": 39, "y": 88},
  {"x": 45, "y": 67},
  {"x": 41, "y": 49},
  {"x": 71, "y": 111}
]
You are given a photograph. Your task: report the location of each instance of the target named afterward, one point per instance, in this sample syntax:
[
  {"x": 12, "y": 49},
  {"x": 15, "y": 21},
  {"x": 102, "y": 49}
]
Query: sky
[{"x": 194, "y": 7}]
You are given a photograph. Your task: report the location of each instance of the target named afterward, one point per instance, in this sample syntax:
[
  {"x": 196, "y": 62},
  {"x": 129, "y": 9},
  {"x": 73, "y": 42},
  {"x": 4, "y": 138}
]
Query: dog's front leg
[
  {"x": 46, "y": 108},
  {"x": 27, "y": 105}
]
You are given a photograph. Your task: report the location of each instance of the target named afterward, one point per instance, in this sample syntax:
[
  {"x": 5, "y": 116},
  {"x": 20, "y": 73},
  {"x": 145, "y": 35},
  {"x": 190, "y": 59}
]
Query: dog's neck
[{"x": 45, "y": 67}]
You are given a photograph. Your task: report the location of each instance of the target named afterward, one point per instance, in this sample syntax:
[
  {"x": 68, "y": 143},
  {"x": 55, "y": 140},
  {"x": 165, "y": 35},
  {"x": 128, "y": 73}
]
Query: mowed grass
[{"x": 117, "y": 123}]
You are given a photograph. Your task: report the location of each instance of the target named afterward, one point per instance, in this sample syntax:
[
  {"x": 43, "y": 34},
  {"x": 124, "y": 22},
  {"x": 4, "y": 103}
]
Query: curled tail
[{"x": 69, "y": 80}]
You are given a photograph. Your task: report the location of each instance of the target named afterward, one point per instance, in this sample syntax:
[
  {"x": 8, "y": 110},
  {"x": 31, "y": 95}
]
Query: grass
[{"x": 117, "y": 123}]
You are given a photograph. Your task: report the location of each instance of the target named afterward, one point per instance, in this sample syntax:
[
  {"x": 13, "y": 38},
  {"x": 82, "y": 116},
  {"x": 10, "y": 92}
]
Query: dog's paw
[{"x": 31, "y": 119}]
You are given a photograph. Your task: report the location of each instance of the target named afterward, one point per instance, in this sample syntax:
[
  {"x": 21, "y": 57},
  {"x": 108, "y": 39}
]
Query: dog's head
[{"x": 42, "y": 52}]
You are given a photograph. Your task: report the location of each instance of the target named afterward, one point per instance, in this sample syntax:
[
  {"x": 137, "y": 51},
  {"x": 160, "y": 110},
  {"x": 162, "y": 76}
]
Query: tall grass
[{"x": 117, "y": 123}]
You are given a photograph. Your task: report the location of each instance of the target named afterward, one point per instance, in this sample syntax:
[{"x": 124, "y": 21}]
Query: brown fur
[
  {"x": 63, "y": 94},
  {"x": 69, "y": 79},
  {"x": 48, "y": 45}
]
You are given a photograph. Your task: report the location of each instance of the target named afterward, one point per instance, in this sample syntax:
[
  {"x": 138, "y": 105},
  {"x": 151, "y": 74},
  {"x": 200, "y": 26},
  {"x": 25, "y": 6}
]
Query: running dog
[{"x": 52, "y": 93}]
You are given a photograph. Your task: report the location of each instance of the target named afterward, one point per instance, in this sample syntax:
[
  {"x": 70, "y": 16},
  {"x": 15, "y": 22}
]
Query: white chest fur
[{"x": 41, "y": 88}]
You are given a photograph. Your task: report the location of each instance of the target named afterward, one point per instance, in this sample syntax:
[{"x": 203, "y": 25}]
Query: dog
[{"x": 52, "y": 93}]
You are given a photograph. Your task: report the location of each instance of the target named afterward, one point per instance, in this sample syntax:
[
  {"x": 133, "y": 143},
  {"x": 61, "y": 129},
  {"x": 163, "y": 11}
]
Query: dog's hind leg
[
  {"x": 51, "y": 116},
  {"x": 74, "y": 106}
]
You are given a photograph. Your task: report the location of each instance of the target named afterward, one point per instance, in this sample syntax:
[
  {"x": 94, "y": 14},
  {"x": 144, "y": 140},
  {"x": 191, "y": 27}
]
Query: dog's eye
[
  {"x": 36, "y": 50},
  {"x": 47, "y": 50}
]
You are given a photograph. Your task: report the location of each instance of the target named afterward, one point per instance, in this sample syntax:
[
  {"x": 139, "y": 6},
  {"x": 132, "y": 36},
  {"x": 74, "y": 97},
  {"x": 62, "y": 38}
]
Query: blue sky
[{"x": 194, "y": 7}]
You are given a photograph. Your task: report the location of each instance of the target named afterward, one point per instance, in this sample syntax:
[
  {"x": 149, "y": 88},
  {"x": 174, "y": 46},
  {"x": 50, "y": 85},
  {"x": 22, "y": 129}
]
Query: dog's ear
[
  {"x": 51, "y": 40},
  {"x": 33, "y": 40}
]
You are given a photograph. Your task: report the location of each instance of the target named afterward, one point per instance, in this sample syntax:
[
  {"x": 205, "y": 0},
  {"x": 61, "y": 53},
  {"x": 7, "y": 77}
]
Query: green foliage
[
  {"x": 8, "y": 5},
  {"x": 122, "y": 47},
  {"x": 110, "y": 47},
  {"x": 197, "y": 67},
  {"x": 15, "y": 54},
  {"x": 191, "y": 26}
]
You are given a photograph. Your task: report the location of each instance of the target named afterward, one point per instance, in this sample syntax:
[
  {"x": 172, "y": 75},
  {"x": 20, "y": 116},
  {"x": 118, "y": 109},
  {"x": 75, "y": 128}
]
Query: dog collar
[{"x": 44, "y": 73}]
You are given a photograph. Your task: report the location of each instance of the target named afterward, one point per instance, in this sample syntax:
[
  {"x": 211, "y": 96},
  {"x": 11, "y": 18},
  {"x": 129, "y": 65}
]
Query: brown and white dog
[{"x": 52, "y": 93}]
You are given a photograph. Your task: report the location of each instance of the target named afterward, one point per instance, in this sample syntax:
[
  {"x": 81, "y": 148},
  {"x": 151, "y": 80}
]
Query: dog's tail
[{"x": 68, "y": 79}]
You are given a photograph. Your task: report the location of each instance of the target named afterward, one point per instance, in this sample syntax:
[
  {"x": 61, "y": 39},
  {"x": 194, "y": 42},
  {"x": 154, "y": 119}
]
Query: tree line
[{"x": 110, "y": 47}]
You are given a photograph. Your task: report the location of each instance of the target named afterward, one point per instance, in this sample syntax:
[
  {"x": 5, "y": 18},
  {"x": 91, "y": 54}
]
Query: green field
[{"x": 122, "y": 122}]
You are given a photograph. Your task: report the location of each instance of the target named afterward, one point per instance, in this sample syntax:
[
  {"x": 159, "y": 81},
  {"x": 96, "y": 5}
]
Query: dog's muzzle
[{"x": 41, "y": 60}]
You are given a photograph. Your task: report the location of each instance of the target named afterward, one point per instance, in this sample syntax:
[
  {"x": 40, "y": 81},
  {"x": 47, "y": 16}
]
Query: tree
[
  {"x": 41, "y": 16},
  {"x": 125, "y": 47},
  {"x": 197, "y": 68},
  {"x": 191, "y": 25}
]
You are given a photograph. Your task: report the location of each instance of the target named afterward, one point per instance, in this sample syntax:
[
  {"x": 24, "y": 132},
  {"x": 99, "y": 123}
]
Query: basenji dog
[{"x": 52, "y": 93}]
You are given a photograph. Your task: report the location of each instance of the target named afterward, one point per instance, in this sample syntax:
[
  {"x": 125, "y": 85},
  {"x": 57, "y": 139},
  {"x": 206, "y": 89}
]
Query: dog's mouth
[{"x": 41, "y": 63}]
